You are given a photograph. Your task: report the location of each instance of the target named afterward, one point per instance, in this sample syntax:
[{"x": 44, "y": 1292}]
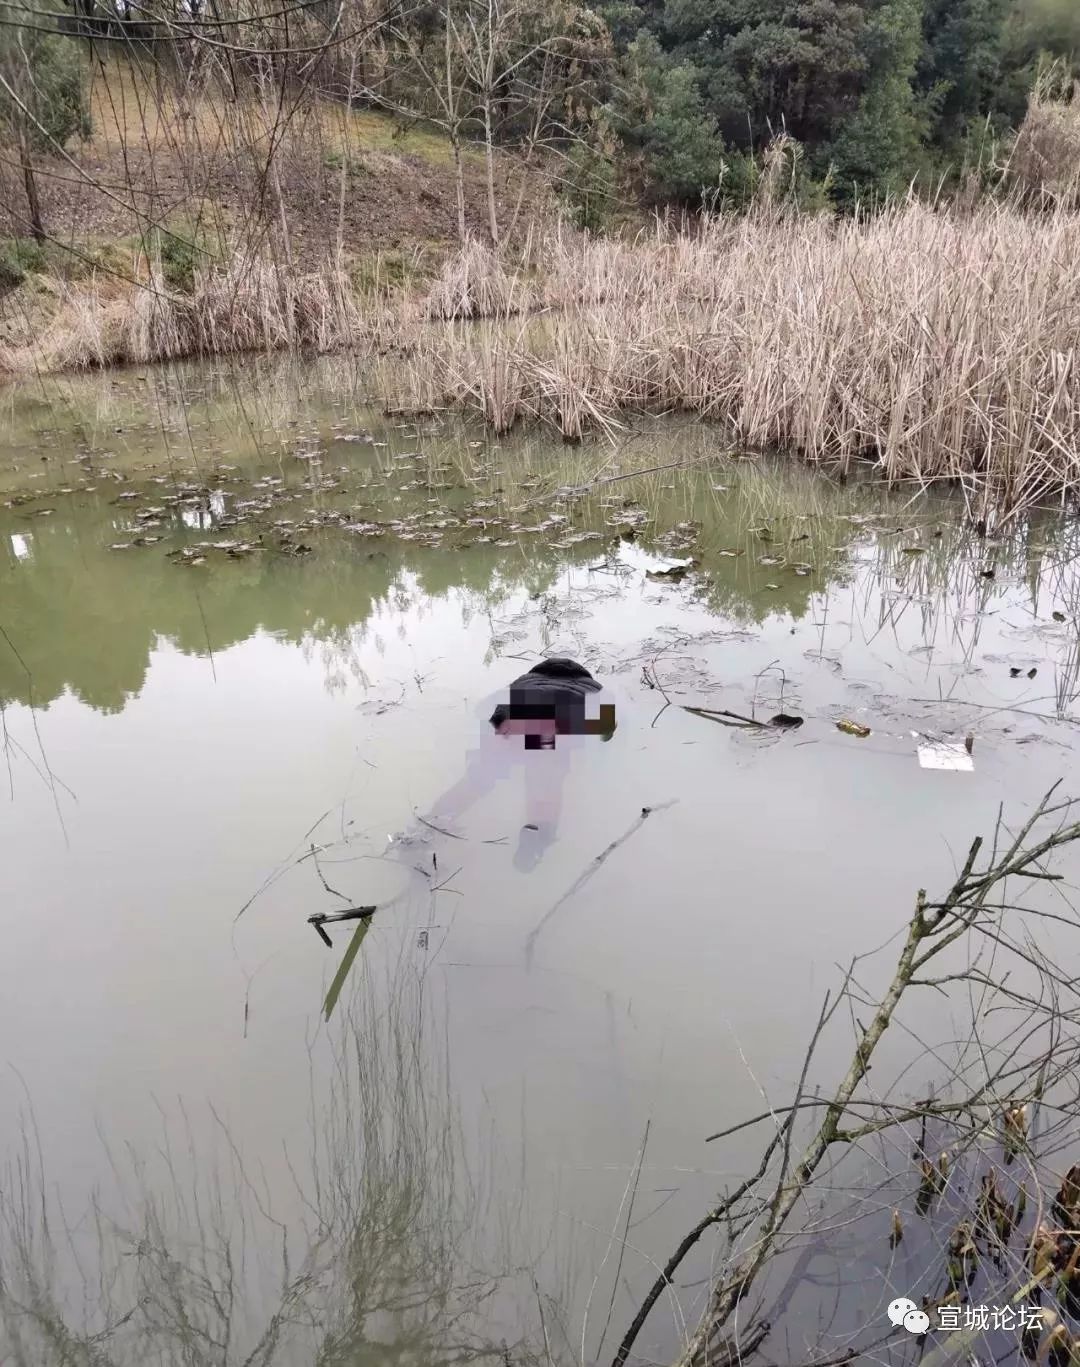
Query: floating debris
[
  {"x": 853, "y": 728},
  {"x": 943, "y": 754},
  {"x": 673, "y": 574}
]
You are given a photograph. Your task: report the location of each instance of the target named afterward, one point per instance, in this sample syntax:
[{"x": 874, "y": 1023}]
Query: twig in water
[
  {"x": 609, "y": 479},
  {"x": 720, "y": 714},
  {"x": 440, "y": 887},
  {"x": 441, "y": 829},
  {"x": 583, "y": 878},
  {"x": 626, "y": 1233},
  {"x": 999, "y": 707},
  {"x": 7, "y": 751},
  {"x": 322, "y": 878},
  {"x": 653, "y": 681},
  {"x": 206, "y": 634},
  {"x": 282, "y": 868},
  {"x": 50, "y": 776}
]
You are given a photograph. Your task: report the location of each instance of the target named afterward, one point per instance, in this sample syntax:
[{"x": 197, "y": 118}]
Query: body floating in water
[{"x": 544, "y": 720}]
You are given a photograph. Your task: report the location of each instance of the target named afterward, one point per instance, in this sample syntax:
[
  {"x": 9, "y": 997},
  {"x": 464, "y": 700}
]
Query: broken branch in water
[
  {"x": 583, "y": 878},
  {"x": 724, "y": 717},
  {"x": 932, "y": 927},
  {"x": 322, "y": 918}
]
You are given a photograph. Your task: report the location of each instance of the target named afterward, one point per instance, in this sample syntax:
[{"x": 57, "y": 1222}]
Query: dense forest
[{"x": 875, "y": 92}]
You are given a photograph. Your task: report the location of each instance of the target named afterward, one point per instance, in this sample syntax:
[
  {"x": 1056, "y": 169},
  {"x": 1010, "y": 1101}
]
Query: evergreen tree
[
  {"x": 661, "y": 117},
  {"x": 960, "y": 68},
  {"x": 876, "y": 91},
  {"x": 877, "y": 150},
  {"x": 770, "y": 64}
]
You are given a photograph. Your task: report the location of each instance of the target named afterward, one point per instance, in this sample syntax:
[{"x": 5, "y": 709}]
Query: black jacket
[{"x": 556, "y": 687}]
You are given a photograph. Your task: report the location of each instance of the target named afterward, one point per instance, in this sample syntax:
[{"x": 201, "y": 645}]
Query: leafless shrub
[{"x": 977, "y": 1160}]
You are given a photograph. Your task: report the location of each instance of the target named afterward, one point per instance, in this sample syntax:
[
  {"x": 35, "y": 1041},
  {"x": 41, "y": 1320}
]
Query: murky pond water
[{"x": 246, "y": 625}]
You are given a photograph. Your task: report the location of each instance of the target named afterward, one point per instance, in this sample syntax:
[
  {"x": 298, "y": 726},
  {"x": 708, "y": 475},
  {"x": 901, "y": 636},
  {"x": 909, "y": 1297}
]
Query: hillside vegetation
[{"x": 466, "y": 187}]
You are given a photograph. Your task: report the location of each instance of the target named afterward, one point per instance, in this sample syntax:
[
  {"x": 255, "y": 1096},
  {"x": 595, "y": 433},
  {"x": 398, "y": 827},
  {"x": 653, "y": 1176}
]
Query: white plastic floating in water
[{"x": 945, "y": 754}]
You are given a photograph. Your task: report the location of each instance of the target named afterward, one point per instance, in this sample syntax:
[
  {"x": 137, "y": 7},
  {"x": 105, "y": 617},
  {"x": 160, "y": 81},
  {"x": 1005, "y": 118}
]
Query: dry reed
[
  {"x": 252, "y": 304},
  {"x": 1044, "y": 163},
  {"x": 940, "y": 345},
  {"x": 475, "y": 283}
]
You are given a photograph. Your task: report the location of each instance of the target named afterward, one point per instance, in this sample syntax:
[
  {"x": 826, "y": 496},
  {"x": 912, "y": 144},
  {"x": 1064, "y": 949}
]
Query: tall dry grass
[
  {"x": 249, "y": 304},
  {"x": 475, "y": 282},
  {"x": 1044, "y": 163},
  {"x": 939, "y": 344}
]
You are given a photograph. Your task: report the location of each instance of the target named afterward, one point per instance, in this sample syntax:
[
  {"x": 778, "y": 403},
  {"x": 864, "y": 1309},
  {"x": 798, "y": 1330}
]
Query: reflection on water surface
[{"x": 247, "y": 622}]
